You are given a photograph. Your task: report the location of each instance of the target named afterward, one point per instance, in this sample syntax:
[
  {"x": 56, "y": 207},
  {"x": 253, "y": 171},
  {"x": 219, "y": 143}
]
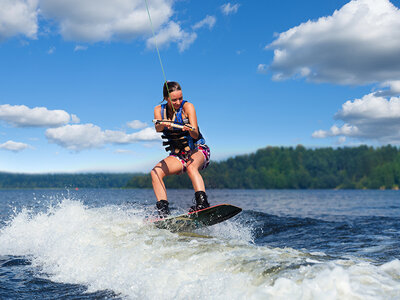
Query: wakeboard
[{"x": 198, "y": 219}]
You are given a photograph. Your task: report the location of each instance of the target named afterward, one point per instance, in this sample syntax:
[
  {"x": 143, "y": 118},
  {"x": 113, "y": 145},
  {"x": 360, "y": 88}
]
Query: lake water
[{"x": 286, "y": 244}]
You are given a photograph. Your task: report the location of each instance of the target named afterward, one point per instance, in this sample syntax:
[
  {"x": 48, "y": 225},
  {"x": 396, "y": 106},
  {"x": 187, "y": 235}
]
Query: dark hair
[{"x": 169, "y": 87}]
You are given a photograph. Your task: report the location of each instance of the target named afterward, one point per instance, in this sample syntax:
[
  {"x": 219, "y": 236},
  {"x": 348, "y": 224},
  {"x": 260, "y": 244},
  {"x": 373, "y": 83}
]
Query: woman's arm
[
  {"x": 191, "y": 113},
  {"x": 157, "y": 116}
]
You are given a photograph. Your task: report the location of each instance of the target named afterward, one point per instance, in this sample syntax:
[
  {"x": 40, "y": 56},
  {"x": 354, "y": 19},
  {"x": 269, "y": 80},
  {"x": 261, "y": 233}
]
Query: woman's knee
[
  {"x": 157, "y": 173},
  {"x": 192, "y": 170}
]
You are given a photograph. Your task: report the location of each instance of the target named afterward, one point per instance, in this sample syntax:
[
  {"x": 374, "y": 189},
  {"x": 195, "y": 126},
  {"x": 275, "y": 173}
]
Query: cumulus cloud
[
  {"x": 345, "y": 130},
  {"x": 136, "y": 124},
  {"x": 370, "y": 118},
  {"x": 92, "y": 21},
  {"x": 393, "y": 88},
  {"x": 173, "y": 33},
  {"x": 208, "y": 21},
  {"x": 104, "y": 20},
  {"x": 228, "y": 8},
  {"x": 74, "y": 119},
  {"x": 18, "y": 17},
  {"x": 87, "y": 136},
  {"x": 23, "y": 116},
  {"x": 76, "y": 137},
  {"x": 13, "y": 146},
  {"x": 358, "y": 44}
]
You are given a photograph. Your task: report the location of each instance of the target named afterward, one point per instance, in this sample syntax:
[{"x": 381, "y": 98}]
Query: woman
[{"x": 188, "y": 151}]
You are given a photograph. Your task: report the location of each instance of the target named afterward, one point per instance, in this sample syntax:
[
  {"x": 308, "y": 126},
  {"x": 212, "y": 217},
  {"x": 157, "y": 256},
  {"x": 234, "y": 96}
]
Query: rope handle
[{"x": 172, "y": 124}]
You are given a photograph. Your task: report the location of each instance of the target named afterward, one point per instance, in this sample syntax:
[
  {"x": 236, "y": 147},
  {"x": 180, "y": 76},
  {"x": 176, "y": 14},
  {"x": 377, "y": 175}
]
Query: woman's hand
[
  {"x": 160, "y": 125},
  {"x": 187, "y": 128}
]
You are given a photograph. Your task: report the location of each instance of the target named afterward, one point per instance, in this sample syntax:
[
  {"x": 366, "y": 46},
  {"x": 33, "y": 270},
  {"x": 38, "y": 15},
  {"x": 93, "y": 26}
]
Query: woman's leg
[
  {"x": 194, "y": 164},
  {"x": 168, "y": 166}
]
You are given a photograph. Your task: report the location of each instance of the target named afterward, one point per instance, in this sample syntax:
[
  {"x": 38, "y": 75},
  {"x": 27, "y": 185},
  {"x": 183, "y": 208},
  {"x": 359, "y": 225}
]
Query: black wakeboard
[{"x": 198, "y": 219}]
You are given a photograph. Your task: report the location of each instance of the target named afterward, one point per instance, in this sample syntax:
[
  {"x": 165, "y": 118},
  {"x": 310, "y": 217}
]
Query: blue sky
[{"x": 79, "y": 79}]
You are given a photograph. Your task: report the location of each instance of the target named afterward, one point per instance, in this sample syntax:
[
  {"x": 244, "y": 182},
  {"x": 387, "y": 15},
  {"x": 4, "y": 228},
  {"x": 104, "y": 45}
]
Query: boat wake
[{"x": 111, "y": 250}]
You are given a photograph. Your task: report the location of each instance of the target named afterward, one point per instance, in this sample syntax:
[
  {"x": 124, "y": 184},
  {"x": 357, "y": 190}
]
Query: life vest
[{"x": 177, "y": 140}]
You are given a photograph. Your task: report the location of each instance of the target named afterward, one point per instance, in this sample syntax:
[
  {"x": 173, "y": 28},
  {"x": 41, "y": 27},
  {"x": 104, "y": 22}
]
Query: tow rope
[{"x": 158, "y": 52}]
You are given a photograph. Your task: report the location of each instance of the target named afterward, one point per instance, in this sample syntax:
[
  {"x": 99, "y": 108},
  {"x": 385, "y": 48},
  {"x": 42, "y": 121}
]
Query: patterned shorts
[{"x": 185, "y": 158}]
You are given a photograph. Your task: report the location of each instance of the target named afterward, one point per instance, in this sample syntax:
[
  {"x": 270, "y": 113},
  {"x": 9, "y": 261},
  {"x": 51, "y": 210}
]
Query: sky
[{"x": 79, "y": 79}]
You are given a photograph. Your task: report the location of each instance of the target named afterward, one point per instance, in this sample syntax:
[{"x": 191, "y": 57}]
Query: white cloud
[
  {"x": 320, "y": 134},
  {"x": 87, "y": 136},
  {"x": 208, "y": 21},
  {"x": 358, "y": 44},
  {"x": 76, "y": 137},
  {"x": 18, "y": 17},
  {"x": 147, "y": 134},
  {"x": 136, "y": 124},
  {"x": 186, "y": 40},
  {"x": 23, "y": 116},
  {"x": 74, "y": 119},
  {"x": 173, "y": 33},
  {"x": 370, "y": 107},
  {"x": 104, "y": 20},
  {"x": 262, "y": 69},
  {"x": 13, "y": 146},
  {"x": 370, "y": 118},
  {"x": 228, "y": 8},
  {"x": 345, "y": 130},
  {"x": 80, "y": 48},
  {"x": 394, "y": 88},
  {"x": 94, "y": 21}
]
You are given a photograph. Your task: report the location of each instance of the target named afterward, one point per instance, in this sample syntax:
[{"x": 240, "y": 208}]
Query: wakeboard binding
[
  {"x": 162, "y": 208},
  {"x": 201, "y": 201}
]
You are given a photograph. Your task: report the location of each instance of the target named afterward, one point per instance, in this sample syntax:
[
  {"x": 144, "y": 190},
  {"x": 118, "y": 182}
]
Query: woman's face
[{"x": 175, "y": 99}]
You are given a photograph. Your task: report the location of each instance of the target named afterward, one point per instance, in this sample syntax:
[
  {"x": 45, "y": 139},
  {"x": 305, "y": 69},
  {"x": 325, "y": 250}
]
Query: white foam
[{"x": 113, "y": 248}]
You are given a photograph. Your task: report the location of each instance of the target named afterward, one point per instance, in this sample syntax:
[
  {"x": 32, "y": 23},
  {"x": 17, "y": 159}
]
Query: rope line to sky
[{"x": 158, "y": 51}]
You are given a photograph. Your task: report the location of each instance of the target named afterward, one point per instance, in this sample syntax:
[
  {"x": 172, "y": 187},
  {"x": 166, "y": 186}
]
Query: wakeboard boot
[
  {"x": 201, "y": 201},
  {"x": 162, "y": 208}
]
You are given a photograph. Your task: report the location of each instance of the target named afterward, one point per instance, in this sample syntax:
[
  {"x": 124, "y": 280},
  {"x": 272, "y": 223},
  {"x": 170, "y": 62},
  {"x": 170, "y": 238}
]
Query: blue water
[{"x": 286, "y": 244}]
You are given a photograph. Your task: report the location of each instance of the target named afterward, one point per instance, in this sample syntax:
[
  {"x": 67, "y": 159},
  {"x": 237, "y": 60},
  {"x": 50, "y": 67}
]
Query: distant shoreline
[
  {"x": 190, "y": 189},
  {"x": 64, "y": 180},
  {"x": 270, "y": 168}
]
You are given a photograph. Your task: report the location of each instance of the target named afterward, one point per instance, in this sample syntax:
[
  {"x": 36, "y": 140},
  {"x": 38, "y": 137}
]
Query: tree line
[
  {"x": 361, "y": 167},
  {"x": 89, "y": 180}
]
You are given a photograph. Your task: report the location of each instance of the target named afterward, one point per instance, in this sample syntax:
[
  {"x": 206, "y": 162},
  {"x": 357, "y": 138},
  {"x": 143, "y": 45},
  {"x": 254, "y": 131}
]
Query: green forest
[
  {"x": 298, "y": 167},
  {"x": 96, "y": 180},
  {"x": 360, "y": 167}
]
